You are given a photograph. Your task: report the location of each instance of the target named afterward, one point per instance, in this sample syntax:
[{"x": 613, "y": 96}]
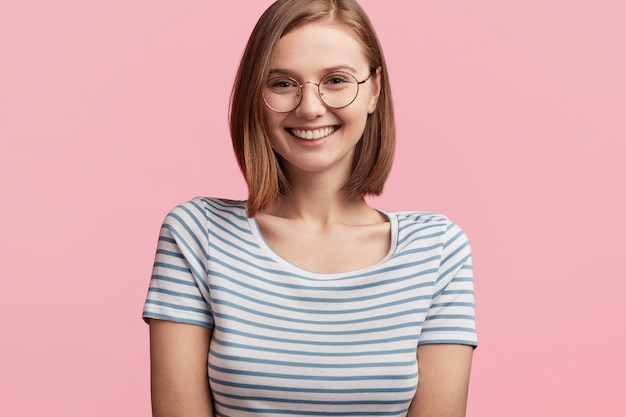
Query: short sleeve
[
  {"x": 450, "y": 318},
  {"x": 178, "y": 288}
]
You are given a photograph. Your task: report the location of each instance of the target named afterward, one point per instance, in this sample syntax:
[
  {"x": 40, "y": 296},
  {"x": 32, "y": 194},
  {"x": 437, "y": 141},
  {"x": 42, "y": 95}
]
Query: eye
[
  {"x": 282, "y": 84},
  {"x": 337, "y": 80}
]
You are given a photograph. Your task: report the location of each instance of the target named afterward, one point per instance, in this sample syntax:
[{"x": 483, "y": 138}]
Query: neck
[{"x": 318, "y": 198}]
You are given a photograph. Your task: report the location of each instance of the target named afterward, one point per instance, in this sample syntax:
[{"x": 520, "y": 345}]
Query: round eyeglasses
[{"x": 337, "y": 89}]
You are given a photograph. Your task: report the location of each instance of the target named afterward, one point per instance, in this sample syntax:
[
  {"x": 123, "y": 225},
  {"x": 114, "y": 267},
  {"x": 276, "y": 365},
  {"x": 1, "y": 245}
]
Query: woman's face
[{"x": 315, "y": 137}]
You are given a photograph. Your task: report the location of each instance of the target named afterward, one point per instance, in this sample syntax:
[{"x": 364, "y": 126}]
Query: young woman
[{"x": 304, "y": 300}]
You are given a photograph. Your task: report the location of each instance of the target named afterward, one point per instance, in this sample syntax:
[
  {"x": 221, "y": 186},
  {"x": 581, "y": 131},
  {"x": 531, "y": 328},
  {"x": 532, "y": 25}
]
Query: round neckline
[{"x": 256, "y": 232}]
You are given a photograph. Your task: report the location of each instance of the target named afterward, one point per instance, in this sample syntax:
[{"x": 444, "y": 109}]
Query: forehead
[{"x": 314, "y": 47}]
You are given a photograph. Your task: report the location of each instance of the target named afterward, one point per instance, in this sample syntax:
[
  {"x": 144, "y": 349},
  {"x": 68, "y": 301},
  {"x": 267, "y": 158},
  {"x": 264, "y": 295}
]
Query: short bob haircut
[{"x": 262, "y": 168}]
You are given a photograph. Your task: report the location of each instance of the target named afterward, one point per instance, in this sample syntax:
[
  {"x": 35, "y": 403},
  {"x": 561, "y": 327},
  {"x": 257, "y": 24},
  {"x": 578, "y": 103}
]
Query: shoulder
[
  {"x": 423, "y": 220},
  {"x": 203, "y": 207},
  {"x": 420, "y": 217},
  {"x": 193, "y": 216},
  {"x": 423, "y": 225}
]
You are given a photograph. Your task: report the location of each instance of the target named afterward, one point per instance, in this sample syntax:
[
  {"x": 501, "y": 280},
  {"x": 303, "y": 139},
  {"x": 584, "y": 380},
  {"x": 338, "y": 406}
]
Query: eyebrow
[{"x": 281, "y": 71}]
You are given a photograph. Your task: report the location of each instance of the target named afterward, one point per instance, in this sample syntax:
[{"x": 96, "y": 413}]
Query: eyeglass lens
[{"x": 336, "y": 89}]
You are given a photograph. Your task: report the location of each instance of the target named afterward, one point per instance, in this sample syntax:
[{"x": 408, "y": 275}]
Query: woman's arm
[
  {"x": 178, "y": 367},
  {"x": 443, "y": 382}
]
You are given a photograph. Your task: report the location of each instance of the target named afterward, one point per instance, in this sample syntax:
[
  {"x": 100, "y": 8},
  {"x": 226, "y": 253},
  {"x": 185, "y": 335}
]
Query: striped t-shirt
[{"x": 291, "y": 342}]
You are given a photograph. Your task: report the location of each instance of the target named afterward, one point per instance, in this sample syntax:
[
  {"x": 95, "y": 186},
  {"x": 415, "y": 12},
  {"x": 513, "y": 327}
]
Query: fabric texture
[{"x": 290, "y": 342}]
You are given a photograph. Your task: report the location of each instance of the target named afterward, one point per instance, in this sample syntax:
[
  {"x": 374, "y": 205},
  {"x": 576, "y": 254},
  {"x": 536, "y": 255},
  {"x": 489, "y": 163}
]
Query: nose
[{"x": 311, "y": 104}]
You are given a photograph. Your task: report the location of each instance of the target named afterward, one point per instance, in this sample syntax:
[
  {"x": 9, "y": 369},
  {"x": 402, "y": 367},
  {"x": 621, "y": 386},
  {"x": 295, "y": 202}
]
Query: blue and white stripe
[{"x": 290, "y": 342}]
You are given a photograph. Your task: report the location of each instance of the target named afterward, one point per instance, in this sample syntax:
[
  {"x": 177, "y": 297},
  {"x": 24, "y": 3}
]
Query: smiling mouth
[{"x": 312, "y": 134}]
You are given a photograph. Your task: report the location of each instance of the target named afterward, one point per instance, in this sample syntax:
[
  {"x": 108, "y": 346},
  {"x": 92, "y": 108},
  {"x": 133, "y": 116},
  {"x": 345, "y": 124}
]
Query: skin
[
  {"x": 178, "y": 370},
  {"x": 305, "y": 55},
  {"x": 444, "y": 372},
  {"x": 314, "y": 227}
]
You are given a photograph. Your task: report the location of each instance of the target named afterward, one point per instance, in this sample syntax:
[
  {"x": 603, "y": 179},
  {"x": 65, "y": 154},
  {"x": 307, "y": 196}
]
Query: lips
[{"x": 310, "y": 134}]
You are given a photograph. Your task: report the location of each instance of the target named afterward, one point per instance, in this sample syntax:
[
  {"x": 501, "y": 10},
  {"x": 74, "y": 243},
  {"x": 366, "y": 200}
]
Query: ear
[{"x": 376, "y": 86}]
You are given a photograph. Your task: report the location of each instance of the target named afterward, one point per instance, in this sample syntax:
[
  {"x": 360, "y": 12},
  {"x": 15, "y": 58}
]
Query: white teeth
[{"x": 313, "y": 134}]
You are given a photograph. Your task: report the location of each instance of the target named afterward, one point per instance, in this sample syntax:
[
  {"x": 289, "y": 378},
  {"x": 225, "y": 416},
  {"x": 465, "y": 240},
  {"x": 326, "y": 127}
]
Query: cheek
[
  {"x": 360, "y": 113},
  {"x": 271, "y": 125},
  {"x": 275, "y": 130},
  {"x": 268, "y": 118},
  {"x": 273, "y": 122},
  {"x": 355, "y": 122}
]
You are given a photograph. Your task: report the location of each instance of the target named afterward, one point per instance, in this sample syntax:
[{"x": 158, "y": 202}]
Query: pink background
[{"x": 511, "y": 117}]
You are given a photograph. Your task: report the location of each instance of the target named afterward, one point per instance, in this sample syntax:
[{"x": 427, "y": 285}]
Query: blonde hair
[{"x": 262, "y": 168}]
